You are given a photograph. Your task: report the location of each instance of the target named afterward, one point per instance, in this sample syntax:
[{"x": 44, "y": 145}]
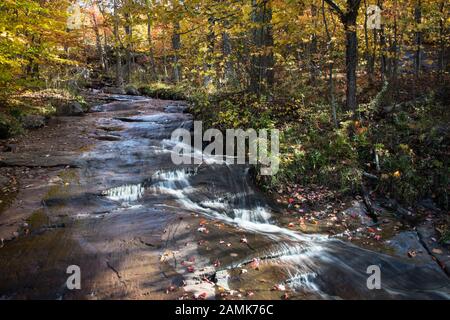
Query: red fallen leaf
[
  {"x": 291, "y": 225},
  {"x": 412, "y": 253},
  {"x": 291, "y": 200},
  {"x": 255, "y": 264},
  {"x": 171, "y": 289},
  {"x": 201, "y": 296},
  {"x": 377, "y": 237},
  {"x": 279, "y": 287},
  {"x": 190, "y": 269},
  {"x": 285, "y": 296},
  {"x": 371, "y": 229}
]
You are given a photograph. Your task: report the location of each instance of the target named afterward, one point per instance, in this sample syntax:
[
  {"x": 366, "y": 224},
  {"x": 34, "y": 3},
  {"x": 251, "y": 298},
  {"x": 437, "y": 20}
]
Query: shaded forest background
[{"x": 359, "y": 108}]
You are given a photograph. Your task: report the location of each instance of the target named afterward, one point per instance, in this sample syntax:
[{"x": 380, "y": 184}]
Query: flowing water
[{"x": 130, "y": 189}]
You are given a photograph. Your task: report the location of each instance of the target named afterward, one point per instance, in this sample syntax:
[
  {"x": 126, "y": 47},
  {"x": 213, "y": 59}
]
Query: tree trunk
[
  {"x": 210, "y": 39},
  {"x": 441, "y": 40},
  {"x": 129, "y": 34},
  {"x": 348, "y": 18},
  {"x": 369, "y": 57},
  {"x": 330, "y": 67},
  {"x": 255, "y": 67},
  {"x": 176, "y": 45},
  {"x": 394, "y": 54},
  {"x": 105, "y": 38},
  {"x": 383, "y": 59},
  {"x": 119, "y": 76},
  {"x": 98, "y": 42},
  {"x": 262, "y": 61},
  {"x": 153, "y": 75},
  {"x": 228, "y": 74},
  {"x": 313, "y": 48},
  {"x": 418, "y": 36},
  {"x": 351, "y": 61},
  {"x": 166, "y": 73},
  {"x": 269, "y": 42}
]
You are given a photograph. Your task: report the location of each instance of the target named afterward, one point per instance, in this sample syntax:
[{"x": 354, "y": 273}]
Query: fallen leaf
[
  {"x": 202, "y": 230},
  {"x": 255, "y": 263},
  {"x": 412, "y": 254},
  {"x": 201, "y": 296},
  {"x": 279, "y": 287}
]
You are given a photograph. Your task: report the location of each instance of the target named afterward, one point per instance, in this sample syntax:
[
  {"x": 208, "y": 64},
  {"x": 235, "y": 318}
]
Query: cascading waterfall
[
  {"x": 238, "y": 210},
  {"x": 126, "y": 193},
  {"x": 293, "y": 248}
]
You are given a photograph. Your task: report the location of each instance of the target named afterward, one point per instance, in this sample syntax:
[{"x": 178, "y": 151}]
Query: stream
[{"x": 140, "y": 227}]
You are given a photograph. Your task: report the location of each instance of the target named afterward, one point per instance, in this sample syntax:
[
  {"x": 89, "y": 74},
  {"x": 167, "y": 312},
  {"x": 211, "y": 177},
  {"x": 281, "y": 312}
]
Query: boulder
[
  {"x": 132, "y": 91},
  {"x": 71, "y": 109},
  {"x": 108, "y": 138},
  {"x": 114, "y": 90},
  {"x": 175, "y": 108},
  {"x": 33, "y": 121},
  {"x": 4, "y": 181}
]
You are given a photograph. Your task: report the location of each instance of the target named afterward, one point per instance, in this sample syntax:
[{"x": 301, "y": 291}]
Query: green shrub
[
  {"x": 163, "y": 91},
  {"x": 9, "y": 126},
  {"x": 411, "y": 142}
]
